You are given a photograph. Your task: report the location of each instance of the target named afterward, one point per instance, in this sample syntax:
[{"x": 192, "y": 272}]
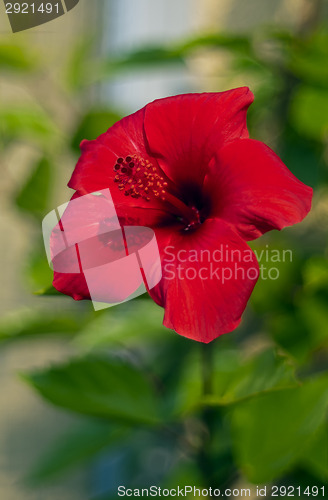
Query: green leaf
[
  {"x": 270, "y": 432},
  {"x": 235, "y": 379},
  {"x": 92, "y": 124},
  {"x": 33, "y": 197},
  {"x": 82, "y": 444},
  {"x": 99, "y": 387},
  {"x": 265, "y": 372},
  {"x": 15, "y": 58}
]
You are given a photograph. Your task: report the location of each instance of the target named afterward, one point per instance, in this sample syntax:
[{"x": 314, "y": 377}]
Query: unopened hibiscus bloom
[{"x": 185, "y": 167}]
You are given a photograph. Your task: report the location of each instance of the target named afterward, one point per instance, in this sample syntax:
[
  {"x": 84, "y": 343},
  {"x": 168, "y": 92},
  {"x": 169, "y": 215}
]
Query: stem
[
  {"x": 205, "y": 459},
  {"x": 207, "y": 369},
  {"x": 218, "y": 469}
]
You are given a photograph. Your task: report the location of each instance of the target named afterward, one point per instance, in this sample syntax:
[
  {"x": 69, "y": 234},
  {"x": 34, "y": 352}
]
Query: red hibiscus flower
[{"x": 185, "y": 167}]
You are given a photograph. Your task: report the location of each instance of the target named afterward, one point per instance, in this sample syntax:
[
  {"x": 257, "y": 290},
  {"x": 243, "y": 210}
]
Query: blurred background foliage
[{"x": 154, "y": 408}]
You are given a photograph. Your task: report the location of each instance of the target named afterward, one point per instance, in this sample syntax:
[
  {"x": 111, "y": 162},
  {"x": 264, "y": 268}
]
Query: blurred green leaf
[
  {"x": 303, "y": 157},
  {"x": 270, "y": 432},
  {"x": 142, "y": 58},
  {"x": 308, "y": 58},
  {"x": 309, "y": 112},
  {"x": 33, "y": 197},
  {"x": 314, "y": 314},
  {"x": 79, "y": 70},
  {"x": 230, "y": 41},
  {"x": 315, "y": 273},
  {"x": 302, "y": 329},
  {"x": 291, "y": 333},
  {"x": 99, "y": 387},
  {"x": 37, "y": 271},
  {"x": 124, "y": 325},
  {"x": 49, "y": 291},
  {"x": 16, "y": 58},
  {"x": 28, "y": 323},
  {"x": 275, "y": 295},
  {"x": 28, "y": 123},
  {"x": 92, "y": 124},
  {"x": 151, "y": 56},
  {"x": 82, "y": 444}
]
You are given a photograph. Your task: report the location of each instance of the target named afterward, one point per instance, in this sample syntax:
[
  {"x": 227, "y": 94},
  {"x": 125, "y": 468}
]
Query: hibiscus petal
[
  {"x": 73, "y": 284},
  {"x": 251, "y": 188},
  {"x": 185, "y": 131},
  {"x": 208, "y": 277}
]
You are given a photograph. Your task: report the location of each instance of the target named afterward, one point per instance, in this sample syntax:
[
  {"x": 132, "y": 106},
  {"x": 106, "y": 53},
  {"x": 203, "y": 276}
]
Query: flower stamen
[
  {"x": 136, "y": 177},
  {"x": 139, "y": 178}
]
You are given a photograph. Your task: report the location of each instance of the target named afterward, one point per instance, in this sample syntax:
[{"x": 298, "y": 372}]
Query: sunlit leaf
[
  {"x": 16, "y": 58},
  {"x": 26, "y": 123}
]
